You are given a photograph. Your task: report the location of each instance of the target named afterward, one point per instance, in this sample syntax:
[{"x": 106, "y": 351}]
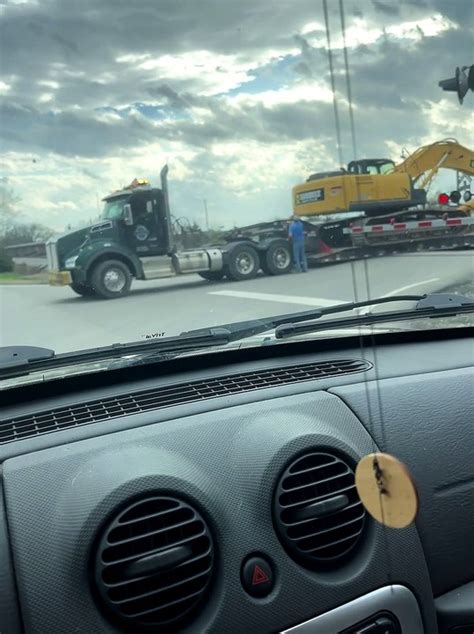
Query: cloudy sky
[{"x": 235, "y": 96}]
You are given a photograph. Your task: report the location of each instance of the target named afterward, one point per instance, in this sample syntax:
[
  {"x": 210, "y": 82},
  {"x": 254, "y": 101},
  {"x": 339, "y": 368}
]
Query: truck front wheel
[
  {"x": 277, "y": 258},
  {"x": 81, "y": 289},
  {"x": 243, "y": 262},
  {"x": 111, "y": 279}
]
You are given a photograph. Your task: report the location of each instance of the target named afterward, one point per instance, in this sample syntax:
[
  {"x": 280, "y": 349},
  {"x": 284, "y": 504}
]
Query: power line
[
  {"x": 333, "y": 84},
  {"x": 348, "y": 80}
]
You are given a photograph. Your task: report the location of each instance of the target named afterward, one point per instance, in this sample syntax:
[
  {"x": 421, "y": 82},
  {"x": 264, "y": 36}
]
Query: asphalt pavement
[{"x": 57, "y": 318}]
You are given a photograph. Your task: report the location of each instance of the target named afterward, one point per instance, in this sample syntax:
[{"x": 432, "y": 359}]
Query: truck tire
[
  {"x": 81, "y": 289},
  {"x": 277, "y": 259},
  {"x": 243, "y": 262},
  {"x": 111, "y": 279},
  {"x": 213, "y": 276}
]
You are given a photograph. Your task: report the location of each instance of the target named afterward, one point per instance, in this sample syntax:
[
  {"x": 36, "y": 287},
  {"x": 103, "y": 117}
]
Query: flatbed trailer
[{"x": 367, "y": 237}]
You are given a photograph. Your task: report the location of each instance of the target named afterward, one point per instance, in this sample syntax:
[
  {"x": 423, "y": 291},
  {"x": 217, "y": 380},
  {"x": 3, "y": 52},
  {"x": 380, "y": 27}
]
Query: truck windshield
[
  {"x": 386, "y": 168},
  {"x": 113, "y": 209}
]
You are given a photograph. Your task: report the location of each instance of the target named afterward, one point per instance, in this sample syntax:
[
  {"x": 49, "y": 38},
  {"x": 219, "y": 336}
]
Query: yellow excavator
[{"x": 379, "y": 186}]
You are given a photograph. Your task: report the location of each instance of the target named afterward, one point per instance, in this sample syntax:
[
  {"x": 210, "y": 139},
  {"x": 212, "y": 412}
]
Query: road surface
[{"x": 57, "y": 318}]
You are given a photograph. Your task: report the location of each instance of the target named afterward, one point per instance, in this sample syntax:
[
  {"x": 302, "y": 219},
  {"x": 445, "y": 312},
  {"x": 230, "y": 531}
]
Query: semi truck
[{"x": 135, "y": 238}]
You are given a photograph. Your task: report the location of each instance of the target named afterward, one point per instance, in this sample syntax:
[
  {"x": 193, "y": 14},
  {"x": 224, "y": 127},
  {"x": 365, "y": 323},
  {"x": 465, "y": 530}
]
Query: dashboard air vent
[
  {"x": 318, "y": 514},
  {"x": 44, "y": 422},
  {"x": 153, "y": 564}
]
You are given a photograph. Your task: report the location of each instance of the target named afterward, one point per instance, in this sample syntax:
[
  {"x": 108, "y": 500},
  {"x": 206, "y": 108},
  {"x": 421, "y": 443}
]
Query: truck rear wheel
[
  {"x": 111, "y": 279},
  {"x": 277, "y": 258},
  {"x": 81, "y": 289},
  {"x": 243, "y": 262},
  {"x": 213, "y": 276}
]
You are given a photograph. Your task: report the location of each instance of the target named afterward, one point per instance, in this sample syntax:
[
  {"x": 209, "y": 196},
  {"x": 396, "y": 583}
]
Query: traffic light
[
  {"x": 460, "y": 83},
  {"x": 454, "y": 197},
  {"x": 443, "y": 199}
]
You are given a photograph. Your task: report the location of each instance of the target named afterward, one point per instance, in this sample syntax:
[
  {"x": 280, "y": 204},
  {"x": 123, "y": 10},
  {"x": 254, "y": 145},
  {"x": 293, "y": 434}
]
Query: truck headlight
[{"x": 70, "y": 263}]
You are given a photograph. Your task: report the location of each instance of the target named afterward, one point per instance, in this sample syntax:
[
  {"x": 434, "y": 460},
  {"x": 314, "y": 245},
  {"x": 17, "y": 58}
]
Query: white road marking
[
  {"x": 282, "y": 299},
  {"x": 402, "y": 289}
]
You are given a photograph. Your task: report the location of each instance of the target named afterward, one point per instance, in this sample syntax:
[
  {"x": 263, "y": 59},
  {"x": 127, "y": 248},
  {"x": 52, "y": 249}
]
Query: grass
[
  {"x": 8, "y": 277},
  {"x": 16, "y": 278}
]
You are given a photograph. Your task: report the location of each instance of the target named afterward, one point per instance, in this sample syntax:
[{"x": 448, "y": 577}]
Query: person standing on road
[{"x": 296, "y": 235}]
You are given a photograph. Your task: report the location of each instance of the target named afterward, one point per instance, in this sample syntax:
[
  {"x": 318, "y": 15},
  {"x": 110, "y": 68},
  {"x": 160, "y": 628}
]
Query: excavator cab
[{"x": 371, "y": 166}]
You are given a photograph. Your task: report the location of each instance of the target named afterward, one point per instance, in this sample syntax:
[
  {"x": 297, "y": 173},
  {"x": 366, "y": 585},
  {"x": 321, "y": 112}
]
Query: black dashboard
[{"x": 220, "y": 497}]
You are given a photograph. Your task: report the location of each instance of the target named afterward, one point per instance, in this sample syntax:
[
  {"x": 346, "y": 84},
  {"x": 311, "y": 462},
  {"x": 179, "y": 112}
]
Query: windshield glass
[
  {"x": 211, "y": 116},
  {"x": 387, "y": 167},
  {"x": 113, "y": 209}
]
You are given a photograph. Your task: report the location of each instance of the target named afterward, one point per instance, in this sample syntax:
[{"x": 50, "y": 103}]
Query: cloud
[
  {"x": 389, "y": 7},
  {"x": 71, "y": 133},
  {"x": 236, "y": 96}
]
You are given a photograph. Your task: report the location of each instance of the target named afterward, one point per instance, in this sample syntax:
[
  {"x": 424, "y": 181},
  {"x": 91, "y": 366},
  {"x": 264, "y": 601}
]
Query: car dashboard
[{"x": 217, "y": 494}]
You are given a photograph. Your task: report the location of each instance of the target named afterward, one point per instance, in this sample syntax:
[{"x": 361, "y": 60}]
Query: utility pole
[{"x": 206, "y": 213}]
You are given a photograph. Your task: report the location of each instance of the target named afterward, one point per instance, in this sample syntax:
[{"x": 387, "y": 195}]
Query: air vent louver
[
  {"x": 153, "y": 564},
  {"x": 318, "y": 514},
  {"x": 167, "y": 396}
]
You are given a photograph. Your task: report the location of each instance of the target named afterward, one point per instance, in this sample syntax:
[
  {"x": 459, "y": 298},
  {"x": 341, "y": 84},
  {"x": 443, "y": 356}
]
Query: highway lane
[{"x": 57, "y": 318}]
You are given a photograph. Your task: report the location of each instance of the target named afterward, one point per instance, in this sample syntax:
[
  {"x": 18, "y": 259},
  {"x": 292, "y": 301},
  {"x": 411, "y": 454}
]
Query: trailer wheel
[
  {"x": 213, "y": 276},
  {"x": 81, "y": 289},
  {"x": 111, "y": 279},
  {"x": 277, "y": 258},
  {"x": 243, "y": 262}
]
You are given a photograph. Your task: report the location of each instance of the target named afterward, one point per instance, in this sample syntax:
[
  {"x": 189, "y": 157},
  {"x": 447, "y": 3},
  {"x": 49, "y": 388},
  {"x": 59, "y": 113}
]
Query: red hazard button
[{"x": 257, "y": 576}]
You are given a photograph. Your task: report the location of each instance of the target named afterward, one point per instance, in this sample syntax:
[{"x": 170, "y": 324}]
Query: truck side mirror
[{"x": 127, "y": 215}]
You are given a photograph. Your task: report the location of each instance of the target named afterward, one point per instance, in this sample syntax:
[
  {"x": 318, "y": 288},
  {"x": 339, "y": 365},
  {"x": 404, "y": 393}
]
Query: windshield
[
  {"x": 208, "y": 118},
  {"x": 386, "y": 168},
  {"x": 113, "y": 209}
]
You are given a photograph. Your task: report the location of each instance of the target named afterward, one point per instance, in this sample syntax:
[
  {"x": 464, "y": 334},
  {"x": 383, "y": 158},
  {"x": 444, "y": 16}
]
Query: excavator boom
[{"x": 430, "y": 158}]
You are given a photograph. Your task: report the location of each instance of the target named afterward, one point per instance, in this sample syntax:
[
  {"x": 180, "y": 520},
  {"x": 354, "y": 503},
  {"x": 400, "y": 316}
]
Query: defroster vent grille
[
  {"x": 318, "y": 514},
  {"x": 13, "y": 429}
]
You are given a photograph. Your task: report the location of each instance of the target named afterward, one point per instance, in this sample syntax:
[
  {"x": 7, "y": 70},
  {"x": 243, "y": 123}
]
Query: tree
[
  {"x": 8, "y": 206},
  {"x": 12, "y": 229},
  {"x": 22, "y": 233}
]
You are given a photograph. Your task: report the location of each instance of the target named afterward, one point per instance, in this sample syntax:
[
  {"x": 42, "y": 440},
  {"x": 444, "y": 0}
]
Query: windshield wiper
[
  {"x": 293, "y": 323},
  {"x": 434, "y": 305},
  {"x": 241, "y": 329},
  {"x": 430, "y": 306},
  {"x": 22, "y": 360}
]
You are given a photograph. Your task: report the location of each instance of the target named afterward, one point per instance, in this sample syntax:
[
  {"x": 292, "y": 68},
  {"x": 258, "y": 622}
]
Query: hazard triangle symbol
[{"x": 259, "y": 576}]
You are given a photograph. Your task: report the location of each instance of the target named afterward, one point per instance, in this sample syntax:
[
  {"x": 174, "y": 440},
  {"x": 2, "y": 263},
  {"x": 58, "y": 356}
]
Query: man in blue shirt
[{"x": 296, "y": 235}]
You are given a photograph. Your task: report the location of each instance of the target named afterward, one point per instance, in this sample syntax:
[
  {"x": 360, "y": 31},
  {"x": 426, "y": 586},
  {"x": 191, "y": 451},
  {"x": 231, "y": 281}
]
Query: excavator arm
[{"x": 427, "y": 160}]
